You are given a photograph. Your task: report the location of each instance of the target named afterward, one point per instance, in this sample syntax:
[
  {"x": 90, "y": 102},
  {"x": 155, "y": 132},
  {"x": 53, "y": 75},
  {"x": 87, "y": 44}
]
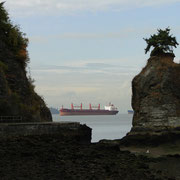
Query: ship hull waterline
[{"x": 67, "y": 112}]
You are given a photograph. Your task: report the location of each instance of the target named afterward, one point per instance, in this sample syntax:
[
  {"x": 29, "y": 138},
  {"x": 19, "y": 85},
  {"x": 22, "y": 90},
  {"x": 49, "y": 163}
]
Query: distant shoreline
[{"x": 54, "y": 110}]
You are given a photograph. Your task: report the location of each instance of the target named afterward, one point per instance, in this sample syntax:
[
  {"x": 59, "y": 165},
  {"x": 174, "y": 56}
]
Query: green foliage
[
  {"x": 3, "y": 13},
  {"x": 31, "y": 84},
  {"x": 162, "y": 42},
  {"x": 11, "y": 35}
]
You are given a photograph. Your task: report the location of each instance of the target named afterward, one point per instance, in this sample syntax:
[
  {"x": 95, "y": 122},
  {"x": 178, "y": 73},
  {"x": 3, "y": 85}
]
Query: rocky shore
[
  {"x": 51, "y": 157},
  {"x": 156, "y": 120}
]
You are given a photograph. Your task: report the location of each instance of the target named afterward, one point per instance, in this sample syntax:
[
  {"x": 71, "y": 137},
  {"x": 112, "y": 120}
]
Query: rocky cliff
[
  {"x": 156, "y": 96},
  {"x": 17, "y": 95}
]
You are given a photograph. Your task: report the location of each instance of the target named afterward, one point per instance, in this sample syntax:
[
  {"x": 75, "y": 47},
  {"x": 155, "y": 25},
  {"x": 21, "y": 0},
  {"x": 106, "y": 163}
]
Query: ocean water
[{"x": 103, "y": 127}]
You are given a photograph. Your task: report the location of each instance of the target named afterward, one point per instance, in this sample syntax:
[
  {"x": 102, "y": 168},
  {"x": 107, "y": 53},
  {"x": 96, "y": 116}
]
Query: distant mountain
[{"x": 54, "y": 110}]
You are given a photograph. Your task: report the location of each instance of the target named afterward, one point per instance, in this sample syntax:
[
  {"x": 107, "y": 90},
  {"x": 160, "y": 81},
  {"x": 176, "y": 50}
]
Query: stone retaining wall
[{"x": 66, "y": 130}]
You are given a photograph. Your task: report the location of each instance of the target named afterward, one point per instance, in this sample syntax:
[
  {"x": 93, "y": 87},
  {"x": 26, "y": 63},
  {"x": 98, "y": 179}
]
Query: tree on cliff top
[
  {"x": 162, "y": 42},
  {"x": 12, "y": 37}
]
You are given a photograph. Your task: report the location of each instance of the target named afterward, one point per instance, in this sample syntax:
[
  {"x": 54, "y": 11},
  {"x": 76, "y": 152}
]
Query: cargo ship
[{"x": 93, "y": 110}]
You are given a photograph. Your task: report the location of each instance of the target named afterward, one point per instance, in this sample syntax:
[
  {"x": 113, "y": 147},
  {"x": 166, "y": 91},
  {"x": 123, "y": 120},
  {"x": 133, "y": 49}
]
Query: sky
[{"x": 88, "y": 51}]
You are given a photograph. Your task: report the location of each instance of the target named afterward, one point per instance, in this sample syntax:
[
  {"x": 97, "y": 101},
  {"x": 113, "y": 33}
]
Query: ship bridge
[{"x": 110, "y": 107}]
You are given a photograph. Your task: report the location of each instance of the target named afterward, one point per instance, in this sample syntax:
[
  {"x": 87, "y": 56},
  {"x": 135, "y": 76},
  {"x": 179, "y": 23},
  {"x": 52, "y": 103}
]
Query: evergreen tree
[{"x": 162, "y": 42}]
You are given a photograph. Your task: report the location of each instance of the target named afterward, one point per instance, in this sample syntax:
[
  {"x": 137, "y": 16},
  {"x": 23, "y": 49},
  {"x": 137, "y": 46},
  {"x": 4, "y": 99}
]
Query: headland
[{"x": 37, "y": 148}]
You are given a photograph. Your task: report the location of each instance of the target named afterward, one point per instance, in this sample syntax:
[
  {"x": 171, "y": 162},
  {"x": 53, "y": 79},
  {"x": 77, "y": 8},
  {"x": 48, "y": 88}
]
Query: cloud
[
  {"x": 123, "y": 33},
  {"x": 86, "y": 68},
  {"x": 87, "y": 74},
  {"x": 93, "y": 81},
  {"x": 99, "y": 65},
  {"x": 39, "y": 39},
  {"x": 30, "y": 7}
]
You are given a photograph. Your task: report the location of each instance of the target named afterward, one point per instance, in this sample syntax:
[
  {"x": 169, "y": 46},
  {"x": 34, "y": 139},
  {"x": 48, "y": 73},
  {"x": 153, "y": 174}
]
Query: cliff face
[
  {"x": 156, "y": 96},
  {"x": 17, "y": 95}
]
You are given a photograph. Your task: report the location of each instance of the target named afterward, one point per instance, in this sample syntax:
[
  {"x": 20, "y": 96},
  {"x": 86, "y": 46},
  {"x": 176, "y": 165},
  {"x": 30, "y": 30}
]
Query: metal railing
[{"x": 10, "y": 119}]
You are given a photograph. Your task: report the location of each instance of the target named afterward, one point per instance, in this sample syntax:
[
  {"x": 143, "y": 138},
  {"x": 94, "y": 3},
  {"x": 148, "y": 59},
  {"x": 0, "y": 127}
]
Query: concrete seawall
[{"x": 64, "y": 130}]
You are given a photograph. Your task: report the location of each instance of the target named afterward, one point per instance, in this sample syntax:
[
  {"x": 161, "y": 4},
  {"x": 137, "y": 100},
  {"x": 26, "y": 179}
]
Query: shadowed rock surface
[{"x": 52, "y": 157}]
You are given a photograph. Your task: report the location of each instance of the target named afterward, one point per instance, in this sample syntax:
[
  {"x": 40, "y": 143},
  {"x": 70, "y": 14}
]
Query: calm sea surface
[{"x": 103, "y": 127}]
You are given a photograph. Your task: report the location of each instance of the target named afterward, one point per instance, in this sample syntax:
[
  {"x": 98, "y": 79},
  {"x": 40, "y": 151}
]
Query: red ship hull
[{"x": 85, "y": 112}]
